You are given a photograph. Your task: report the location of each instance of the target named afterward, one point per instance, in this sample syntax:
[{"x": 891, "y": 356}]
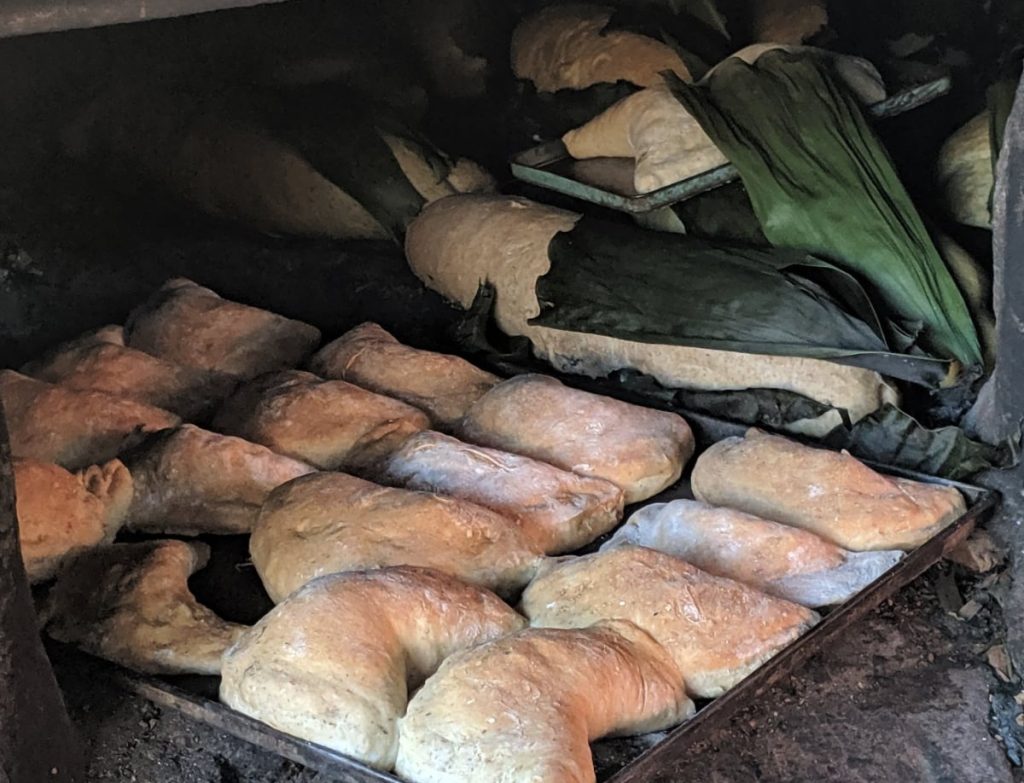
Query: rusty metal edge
[{"x": 31, "y": 17}]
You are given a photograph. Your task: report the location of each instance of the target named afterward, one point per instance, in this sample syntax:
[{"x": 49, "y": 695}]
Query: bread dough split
[
  {"x": 524, "y": 707},
  {"x": 717, "y": 630},
  {"x": 328, "y": 523},
  {"x": 827, "y": 492},
  {"x": 130, "y": 604},
  {"x": 335, "y": 662}
]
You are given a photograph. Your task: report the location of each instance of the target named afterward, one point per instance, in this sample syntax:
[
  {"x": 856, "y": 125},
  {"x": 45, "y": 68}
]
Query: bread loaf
[
  {"x": 567, "y": 47},
  {"x": 193, "y": 326},
  {"x": 524, "y": 707},
  {"x": 787, "y": 21},
  {"x": 330, "y": 424},
  {"x": 459, "y": 243},
  {"x": 130, "y": 604},
  {"x": 327, "y": 523},
  {"x": 778, "y": 559},
  {"x": 334, "y": 663},
  {"x": 443, "y": 386},
  {"x": 829, "y": 493},
  {"x": 62, "y": 514},
  {"x": 558, "y": 511},
  {"x": 718, "y": 631},
  {"x": 964, "y": 173},
  {"x": 100, "y": 361},
  {"x": 71, "y": 427},
  {"x": 640, "y": 450},
  {"x": 189, "y": 481}
]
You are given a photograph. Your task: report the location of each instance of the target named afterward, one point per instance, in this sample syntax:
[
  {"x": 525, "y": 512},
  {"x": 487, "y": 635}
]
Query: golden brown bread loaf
[
  {"x": 640, "y": 450},
  {"x": 327, "y": 523},
  {"x": 330, "y": 424},
  {"x": 189, "y": 481},
  {"x": 100, "y": 361},
  {"x": 334, "y": 663},
  {"x": 566, "y": 46},
  {"x": 71, "y": 427},
  {"x": 829, "y": 493},
  {"x": 443, "y": 386},
  {"x": 62, "y": 514},
  {"x": 783, "y": 561},
  {"x": 193, "y": 326},
  {"x": 717, "y": 630},
  {"x": 130, "y": 604},
  {"x": 558, "y": 511},
  {"x": 459, "y": 243},
  {"x": 524, "y": 707}
]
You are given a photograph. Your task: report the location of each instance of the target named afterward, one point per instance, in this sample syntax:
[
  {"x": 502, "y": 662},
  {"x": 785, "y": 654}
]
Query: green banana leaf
[
  {"x": 820, "y": 180},
  {"x": 672, "y": 289}
]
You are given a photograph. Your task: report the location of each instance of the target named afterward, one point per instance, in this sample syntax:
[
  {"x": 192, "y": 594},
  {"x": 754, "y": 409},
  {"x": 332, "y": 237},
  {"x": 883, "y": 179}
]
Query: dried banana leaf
[
  {"x": 673, "y": 289},
  {"x": 820, "y": 180}
]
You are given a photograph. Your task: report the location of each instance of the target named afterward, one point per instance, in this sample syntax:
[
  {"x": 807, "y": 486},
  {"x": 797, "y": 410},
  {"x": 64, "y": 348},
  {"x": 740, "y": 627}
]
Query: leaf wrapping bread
[
  {"x": 525, "y": 706},
  {"x": 829, "y": 493},
  {"x": 334, "y": 663}
]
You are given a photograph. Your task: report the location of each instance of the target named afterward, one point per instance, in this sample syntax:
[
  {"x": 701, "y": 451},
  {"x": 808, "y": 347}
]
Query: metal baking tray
[
  {"x": 549, "y": 165},
  {"x": 231, "y": 587}
]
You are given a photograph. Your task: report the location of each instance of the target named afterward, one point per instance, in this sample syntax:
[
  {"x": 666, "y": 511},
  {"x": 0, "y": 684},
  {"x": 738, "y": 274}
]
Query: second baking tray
[
  {"x": 231, "y": 587},
  {"x": 549, "y": 165}
]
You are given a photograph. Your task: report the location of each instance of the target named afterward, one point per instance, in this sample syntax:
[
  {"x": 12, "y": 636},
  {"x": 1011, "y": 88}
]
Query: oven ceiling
[{"x": 25, "y": 17}]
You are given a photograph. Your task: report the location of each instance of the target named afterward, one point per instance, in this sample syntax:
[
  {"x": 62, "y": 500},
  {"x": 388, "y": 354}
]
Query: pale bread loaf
[
  {"x": 524, "y": 707},
  {"x": 459, "y": 243},
  {"x": 334, "y": 664},
  {"x": 964, "y": 173},
  {"x": 718, "y": 631},
  {"x": 827, "y": 492}
]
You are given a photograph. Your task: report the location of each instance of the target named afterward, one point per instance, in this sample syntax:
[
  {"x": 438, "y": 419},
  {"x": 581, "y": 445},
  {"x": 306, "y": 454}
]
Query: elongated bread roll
[
  {"x": 334, "y": 663},
  {"x": 327, "y": 523},
  {"x": 781, "y": 560},
  {"x": 329, "y": 424},
  {"x": 443, "y": 386},
  {"x": 100, "y": 361},
  {"x": 717, "y": 630},
  {"x": 193, "y": 326},
  {"x": 558, "y": 511},
  {"x": 964, "y": 173},
  {"x": 62, "y": 514},
  {"x": 189, "y": 481},
  {"x": 827, "y": 492},
  {"x": 130, "y": 604},
  {"x": 524, "y": 707},
  {"x": 567, "y": 46},
  {"x": 71, "y": 427},
  {"x": 640, "y": 450},
  {"x": 459, "y": 243}
]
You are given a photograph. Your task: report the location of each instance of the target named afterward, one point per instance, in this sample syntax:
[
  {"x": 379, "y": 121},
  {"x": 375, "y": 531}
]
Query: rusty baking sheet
[
  {"x": 608, "y": 181},
  {"x": 231, "y": 587}
]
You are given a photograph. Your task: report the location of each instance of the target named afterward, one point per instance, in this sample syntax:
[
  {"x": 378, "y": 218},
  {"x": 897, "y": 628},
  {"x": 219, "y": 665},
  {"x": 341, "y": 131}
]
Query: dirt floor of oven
[{"x": 902, "y": 696}]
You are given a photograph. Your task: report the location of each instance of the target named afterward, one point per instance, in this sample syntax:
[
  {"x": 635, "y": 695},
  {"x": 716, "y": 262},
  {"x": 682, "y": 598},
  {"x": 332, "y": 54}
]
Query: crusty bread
[
  {"x": 787, "y": 21},
  {"x": 326, "y": 523},
  {"x": 964, "y": 173},
  {"x": 783, "y": 561},
  {"x": 71, "y": 427},
  {"x": 62, "y": 514},
  {"x": 567, "y": 47},
  {"x": 558, "y": 511},
  {"x": 130, "y": 604},
  {"x": 827, "y": 492},
  {"x": 652, "y": 127},
  {"x": 442, "y": 385},
  {"x": 717, "y": 630},
  {"x": 193, "y": 326},
  {"x": 189, "y": 481},
  {"x": 640, "y": 450},
  {"x": 524, "y": 707},
  {"x": 458, "y": 243},
  {"x": 100, "y": 361},
  {"x": 334, "y": 664},
  {"x": 329, "y": 424}
]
